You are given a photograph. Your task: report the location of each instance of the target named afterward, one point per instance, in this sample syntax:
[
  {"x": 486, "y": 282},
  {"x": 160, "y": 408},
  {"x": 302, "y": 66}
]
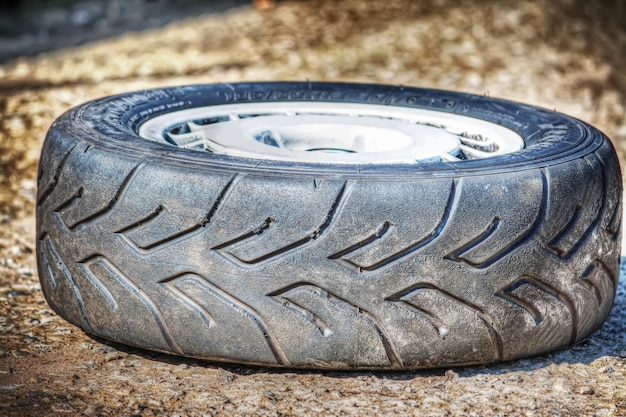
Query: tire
[{"x": 338, "y": 265}]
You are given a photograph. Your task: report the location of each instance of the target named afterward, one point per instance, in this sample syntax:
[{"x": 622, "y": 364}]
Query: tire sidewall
[{"x": 550, "y": 138}]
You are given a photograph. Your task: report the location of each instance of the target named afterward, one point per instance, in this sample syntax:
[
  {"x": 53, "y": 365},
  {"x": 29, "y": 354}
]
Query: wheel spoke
[
  {"x": 473, "y": 153},
  {"x": 446, "y": 157},
  {"x": 486, "y": 145},
  {"x": 183, "y": 139}
]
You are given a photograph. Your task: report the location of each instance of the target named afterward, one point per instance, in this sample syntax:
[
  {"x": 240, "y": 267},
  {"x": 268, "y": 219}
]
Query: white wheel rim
[{"x": 336, "y": 133}]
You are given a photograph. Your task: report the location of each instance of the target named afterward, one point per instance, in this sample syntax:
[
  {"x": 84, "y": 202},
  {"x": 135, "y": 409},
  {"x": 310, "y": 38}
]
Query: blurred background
[
  {"x": 28, "y": 27},
  {"x": 568, "y": 55}
]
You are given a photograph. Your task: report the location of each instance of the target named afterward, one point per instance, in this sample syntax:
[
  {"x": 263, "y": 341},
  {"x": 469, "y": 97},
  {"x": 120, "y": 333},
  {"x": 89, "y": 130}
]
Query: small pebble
[
  {"x": 90, "y": 411},
  {"x": 25, "y": 272},
  {"x": 393, "y": 386},
  {"x": 21, "y": 353},
  {"x": 15, "y": 293},
  {"x": 88, "y": 365},
  {"x": 62, "y": 408},
  {"x": 106, "y": 349},
  {"x": 562, "y": 385},
  {"x": 114, "y": 355},
  {"x": 9, "y": 387},
  {"x": 336, "y": 393},
  {"x": 450, "y": 374},
  {"x": 622, "y": 353},
  {"x": 585, "y": 390}
]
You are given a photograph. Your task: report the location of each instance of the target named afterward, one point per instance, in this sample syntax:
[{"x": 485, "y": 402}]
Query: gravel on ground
[{"x": 560, "y": 54}]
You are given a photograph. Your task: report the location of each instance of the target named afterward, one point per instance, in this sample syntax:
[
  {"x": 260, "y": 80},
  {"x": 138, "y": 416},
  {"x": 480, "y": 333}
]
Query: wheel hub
[{"x": 331, "y": 133}]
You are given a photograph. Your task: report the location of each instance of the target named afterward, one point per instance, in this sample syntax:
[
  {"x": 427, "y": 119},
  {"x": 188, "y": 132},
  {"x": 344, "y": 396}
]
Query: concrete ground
[{"x": 563, "y": 54}]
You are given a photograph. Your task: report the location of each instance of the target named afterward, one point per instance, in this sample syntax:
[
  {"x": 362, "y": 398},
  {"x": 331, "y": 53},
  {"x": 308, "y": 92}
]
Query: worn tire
[{"x": 328, "y": 266}]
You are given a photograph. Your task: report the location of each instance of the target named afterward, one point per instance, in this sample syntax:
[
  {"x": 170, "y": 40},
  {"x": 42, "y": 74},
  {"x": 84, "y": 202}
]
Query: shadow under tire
[{"x": 451, "y": 260}]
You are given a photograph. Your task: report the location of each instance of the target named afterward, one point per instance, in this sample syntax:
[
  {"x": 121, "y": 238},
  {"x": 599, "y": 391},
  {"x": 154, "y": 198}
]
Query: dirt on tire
[{"x": 564, "y": 54}]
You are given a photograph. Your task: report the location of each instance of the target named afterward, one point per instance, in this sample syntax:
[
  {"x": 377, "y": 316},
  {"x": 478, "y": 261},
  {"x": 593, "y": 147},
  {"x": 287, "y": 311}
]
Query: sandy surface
[{"x": 566, "y": 55}]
